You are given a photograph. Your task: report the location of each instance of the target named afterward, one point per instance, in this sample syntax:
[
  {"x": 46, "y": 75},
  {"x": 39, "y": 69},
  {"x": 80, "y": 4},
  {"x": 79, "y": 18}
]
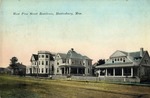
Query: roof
[
  {"x": 62, "y": 55},
  {"x": 73, "y": 54},
  {"x": 129, "y": 64},
  {"x": 35, "y": 56},
  {"x": 75, "y": 66},
  {"x": 18, "y": 65}
]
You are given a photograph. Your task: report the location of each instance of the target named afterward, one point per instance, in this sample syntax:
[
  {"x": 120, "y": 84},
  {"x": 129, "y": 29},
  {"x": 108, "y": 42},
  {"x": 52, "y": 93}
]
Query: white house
[
  {"x": 126, "y": 65},
  {"x": 72, "y": 63},
  {"x": 42, "y": 64}
]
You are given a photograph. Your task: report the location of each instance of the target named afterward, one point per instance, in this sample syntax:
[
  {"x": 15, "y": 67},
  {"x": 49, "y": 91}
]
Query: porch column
[
  {"x": 64, "y": 70},
  {"x": 114, "y": 72},
  {"x": 106, "y": 72},
  {"x": 131, "y": 71},
  {"x": 69, "y": 70},
  {"x": 99, "y": 72},
  {"x": 122, "y": 72},
  {"x": 77, "y": 70}
]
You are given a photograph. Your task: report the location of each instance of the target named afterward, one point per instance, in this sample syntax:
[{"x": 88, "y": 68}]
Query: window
[
  {"x": 88, "y": 70},
  {"x": 46, "y": 56},
  {"x": 124, "y": 60},
  {"x": 112, "y": 61},
  {"x": 42, "y": 56},
  {"x": 57, "y": 70},
  {"x": 39, "y": 70},
  {"x": 42, "y": 70},
  {"x": 42, "y": 62},
  {"x": 39, "y": 56},
  {"x": 115, "y": 60},
  {"x": 46, "y": 70},
  {"x": 83, "y": 63},
  {"x": 46, "y": 62},
  {"x": 39, "y": 62},
  {"x": 120, "y": 59},
  {"x": 57, "y": 63},
  {"x": 52, "y": 68},
  {"x": 146, "y": 61},
  {"x": 72, "y": 62}
]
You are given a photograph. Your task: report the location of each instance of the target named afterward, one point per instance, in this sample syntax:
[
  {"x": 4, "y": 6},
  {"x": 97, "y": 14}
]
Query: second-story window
[
  {"x": 57, "y": 63},
  {"x": 47, "y": 56},
  {"x": 42, "y": 56},
  {"x": 46, "y": 62},
  {"x": 42, "y": 62},
  {"x": 124, "y": 60},
  {"x": 39, "y": 62}
]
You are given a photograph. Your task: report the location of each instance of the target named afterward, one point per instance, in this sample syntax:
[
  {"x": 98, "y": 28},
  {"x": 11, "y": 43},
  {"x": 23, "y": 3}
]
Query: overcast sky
[{"x": 103, "y": 27}]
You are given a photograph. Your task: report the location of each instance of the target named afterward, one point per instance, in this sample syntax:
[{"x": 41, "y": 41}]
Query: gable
[
  {"x": 118, "y": 54},
  {"x": 32, "y": 58},
  {"x": 146, "y": 60}
]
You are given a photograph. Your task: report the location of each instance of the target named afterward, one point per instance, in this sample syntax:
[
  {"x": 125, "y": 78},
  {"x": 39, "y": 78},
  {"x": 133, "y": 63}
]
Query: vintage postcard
[{"x": 74, "y": 48}]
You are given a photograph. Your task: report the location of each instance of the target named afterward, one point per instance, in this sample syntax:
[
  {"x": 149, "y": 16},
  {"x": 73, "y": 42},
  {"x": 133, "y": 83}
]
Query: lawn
[{"x": 23, "y": 87}]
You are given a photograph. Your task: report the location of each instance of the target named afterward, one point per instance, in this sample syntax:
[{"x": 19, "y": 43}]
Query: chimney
[
  {"x": 141, "y": 52},
  {"x": 72, "y": 49}
]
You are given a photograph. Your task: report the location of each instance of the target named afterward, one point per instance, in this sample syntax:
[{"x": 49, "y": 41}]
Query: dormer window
[
  {"x": 46, "y": 56},
  {"x": 112, "y": 61},
  {"x": 124, "y": 60},
  {"x": 120, "y": 59},
  {"x": 146, "y": 61}
]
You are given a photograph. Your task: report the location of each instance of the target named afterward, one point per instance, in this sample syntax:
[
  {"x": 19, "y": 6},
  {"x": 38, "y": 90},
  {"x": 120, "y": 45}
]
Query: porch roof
[
  {"x": 116, "y": 65},
  {"x": 75, "y": 66}
]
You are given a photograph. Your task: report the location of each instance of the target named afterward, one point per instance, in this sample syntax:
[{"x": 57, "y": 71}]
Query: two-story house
[
  {"x": 72, "y": 63},
  {"x": 42, "y": 64},
  {"x": 126, "y": 65}
]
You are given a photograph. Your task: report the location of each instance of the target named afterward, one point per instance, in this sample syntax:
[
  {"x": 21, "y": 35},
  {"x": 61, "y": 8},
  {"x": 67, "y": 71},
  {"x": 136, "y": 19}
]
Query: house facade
[
  {"x": 72, "y": 63},
  {"x": 42, "y": 64},
  {"x": 126, "y": 65}
]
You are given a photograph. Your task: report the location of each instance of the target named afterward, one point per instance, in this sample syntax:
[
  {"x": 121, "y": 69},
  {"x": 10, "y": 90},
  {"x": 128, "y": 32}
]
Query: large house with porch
[
  {"x": 42, "y": 64},
  {"x": 72, "y": 63},
  {"x": 121, "y": 65}
]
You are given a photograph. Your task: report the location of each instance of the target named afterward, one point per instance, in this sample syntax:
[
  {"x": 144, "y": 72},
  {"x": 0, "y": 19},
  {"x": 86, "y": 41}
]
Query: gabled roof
[
  {"x": 73, "y": 54},
  {"x": 35, "y": 56},
  {"x": 62, "y": 55},
  {"x": 119, "y": 53},
  {"x": 85, "y": 57}
]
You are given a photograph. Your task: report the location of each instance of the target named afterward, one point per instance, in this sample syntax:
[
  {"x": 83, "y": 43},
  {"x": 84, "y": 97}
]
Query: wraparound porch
[{"x": 116, "y": 72}]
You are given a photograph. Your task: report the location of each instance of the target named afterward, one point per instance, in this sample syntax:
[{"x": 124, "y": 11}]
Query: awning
[{"x": 115, "y": 65}]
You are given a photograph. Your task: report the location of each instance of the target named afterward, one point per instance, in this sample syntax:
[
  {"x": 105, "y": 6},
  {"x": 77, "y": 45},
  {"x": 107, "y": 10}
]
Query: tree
[
  {"x": 14, "y": 60},
  {"x": 13, "y": 63},
  {"x": 101, "y": 61}
]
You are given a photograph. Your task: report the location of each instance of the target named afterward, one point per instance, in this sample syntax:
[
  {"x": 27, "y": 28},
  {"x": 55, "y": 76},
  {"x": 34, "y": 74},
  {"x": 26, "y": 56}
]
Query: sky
[{"x": 99, "y": 29}]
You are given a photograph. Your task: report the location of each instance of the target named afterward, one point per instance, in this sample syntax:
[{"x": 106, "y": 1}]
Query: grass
[{"x": 23, "y": 87}]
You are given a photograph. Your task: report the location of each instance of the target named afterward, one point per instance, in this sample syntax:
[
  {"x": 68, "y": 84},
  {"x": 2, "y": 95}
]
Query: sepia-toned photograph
[{"x": 74, "y": 48}]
